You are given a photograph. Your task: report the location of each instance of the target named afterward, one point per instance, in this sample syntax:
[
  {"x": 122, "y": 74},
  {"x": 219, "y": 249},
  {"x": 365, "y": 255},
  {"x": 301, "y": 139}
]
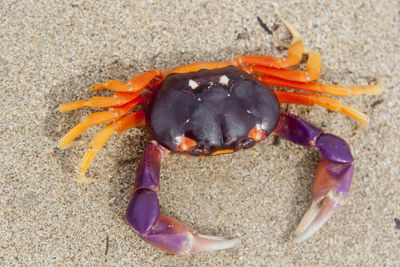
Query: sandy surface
[{"x": 51, "y": 53}]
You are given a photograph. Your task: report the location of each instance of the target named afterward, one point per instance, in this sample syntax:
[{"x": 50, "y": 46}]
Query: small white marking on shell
[
  {"x": 229, "y": 94},
  {"x": 248, "y": 111},
  {"x": 187, "y": 121},
  {"x": 178, "y": 139},
  {"x": 193, "y": 84},
  {"x": 199, "y": 98},
  {"x": 224, "y": 80}
]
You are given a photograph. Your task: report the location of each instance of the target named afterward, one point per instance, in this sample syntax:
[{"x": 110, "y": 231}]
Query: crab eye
[
  {"x": 257, "y": 134},
  {"x": 185, "y": 144}
]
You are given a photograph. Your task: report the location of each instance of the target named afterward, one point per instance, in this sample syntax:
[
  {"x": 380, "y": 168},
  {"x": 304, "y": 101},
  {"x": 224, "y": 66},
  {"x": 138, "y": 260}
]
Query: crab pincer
[
  {"x": 333, "y": 176},
  {"x": 163, "y": 232}
]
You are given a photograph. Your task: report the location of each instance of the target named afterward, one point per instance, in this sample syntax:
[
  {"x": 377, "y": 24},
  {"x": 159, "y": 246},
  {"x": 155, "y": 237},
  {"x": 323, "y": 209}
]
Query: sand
[{"x": 51, "y": 52}]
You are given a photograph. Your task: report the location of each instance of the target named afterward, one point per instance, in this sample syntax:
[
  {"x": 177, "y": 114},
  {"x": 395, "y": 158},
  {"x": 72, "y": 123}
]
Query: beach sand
[{"x": 51, "y": 53}]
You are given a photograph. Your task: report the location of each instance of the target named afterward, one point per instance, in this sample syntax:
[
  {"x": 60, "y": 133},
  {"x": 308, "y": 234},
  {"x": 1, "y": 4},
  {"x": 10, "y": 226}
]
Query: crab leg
[
  {"x": 333, "y": 176},
  {"x": 97, "y": 118},
  {"x": 321, "y": 88},
  {"x": 137, "y": 83},
  {"x": 295, "y": 53},
  {"x": 323, "y": 101},
  {"x": 163, "y": 232},
  {"x": 312, "y": 72},
  {"x": 134, "y": 119},
  {"x": 286, "y": 74},
  {"x": 118, "y": 99}
]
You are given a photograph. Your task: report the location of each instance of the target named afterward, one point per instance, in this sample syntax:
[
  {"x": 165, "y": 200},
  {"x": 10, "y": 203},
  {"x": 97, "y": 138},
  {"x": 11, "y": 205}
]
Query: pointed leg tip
[
  {"x": 293, "y": 31},
  {"x": 83, "y": 179},
  {"x": 380, "y": 85},
  {"x": 96, "y": 87},
  {"x": 62, "y": 108},
  {"x": 61, "y": 144},
  {"x": 363, "y": 125}
]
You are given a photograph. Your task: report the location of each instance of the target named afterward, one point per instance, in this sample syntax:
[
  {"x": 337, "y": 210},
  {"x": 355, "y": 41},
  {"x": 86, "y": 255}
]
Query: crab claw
[
  {"x": 174, "y": 237},
  {"x": 167, "y": 233},
  {"x": 161, "y": 231},
  {"x": 331, "y": 188},
  {"x": 334, "y": 173}
]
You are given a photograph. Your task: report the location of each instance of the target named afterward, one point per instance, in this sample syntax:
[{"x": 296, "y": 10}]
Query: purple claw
[
  {"x": 334, "y": 173},
  {"x": 163, "y": 232},
  {"x": 331, "y": 188},
  {"x": 143, "y": 210},
  {"x": 334, "y": 148},
  {"x": 175, "y": 237}
]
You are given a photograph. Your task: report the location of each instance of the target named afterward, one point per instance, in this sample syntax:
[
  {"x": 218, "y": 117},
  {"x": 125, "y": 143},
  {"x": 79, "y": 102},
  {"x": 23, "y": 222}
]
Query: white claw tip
[
  {"x": 201, "y": 242},
  {"x": 220, "y": 242},
  {"x": 319, "y": 212}
]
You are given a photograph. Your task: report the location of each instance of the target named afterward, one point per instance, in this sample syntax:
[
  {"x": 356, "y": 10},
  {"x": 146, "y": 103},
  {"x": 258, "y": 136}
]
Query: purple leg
[
  {"x": 334, "y": 173},
  {"x": 161, "y": 231}
]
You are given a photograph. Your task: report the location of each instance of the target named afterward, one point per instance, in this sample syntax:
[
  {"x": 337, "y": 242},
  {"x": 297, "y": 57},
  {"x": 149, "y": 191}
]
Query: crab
[{"x": 212, "y": 108}]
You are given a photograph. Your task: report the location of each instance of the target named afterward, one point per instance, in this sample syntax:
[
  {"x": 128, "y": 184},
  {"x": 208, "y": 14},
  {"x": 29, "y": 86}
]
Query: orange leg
[
  {"x": 312, "y": 72},
  {"x": 313, "y": 67},
  {"x": 128, "y": 96},
  {"x": 97, "y": 118},
  {"x": 134, "y": 119},
  {"x": 323, "y": 101},
  {"x": 321, "y": 88},
  {"x": 137, "y": 83},
  {"x": 198, "y": 66},
  {"x": 295, "y": 53},
  {"x": 118, "y": 99}
]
